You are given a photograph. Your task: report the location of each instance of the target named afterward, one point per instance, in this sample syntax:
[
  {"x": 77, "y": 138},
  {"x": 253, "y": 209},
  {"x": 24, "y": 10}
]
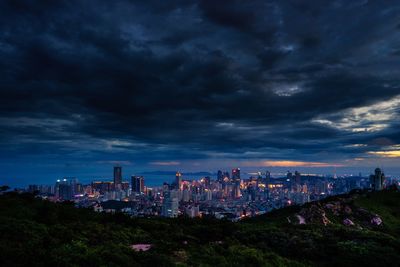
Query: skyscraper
[
  {"x": 73, "y": 182},
  {"x": 296, "y": 181},
  {"x": 178, "y": 180},
  {"x": 297, "y": 177},
  {"x": 117, "y": 176},
  {"x": 207, "y": 181},
  {"x": 220, "y": 176},
  {"x": 289, "y": 179},
  {"x": 63, "y": 190},
  {"x": 170, "y": 207},
  {"x": 33, "y": 188},
  {"x": 236, "y": 175},
  {"x": 226, "y": 174},
  {"x": 267, "y": 177},
  {"x": 377, "y": 180},
  {"x": 137, "y": 183},
  {"x": 236, "y": 182}
]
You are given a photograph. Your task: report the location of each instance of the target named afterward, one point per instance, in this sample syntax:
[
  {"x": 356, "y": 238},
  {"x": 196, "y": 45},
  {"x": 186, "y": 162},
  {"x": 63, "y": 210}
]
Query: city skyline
[
  {"x": 231, "y": 194},
  {"x": 156, "y": 178},
  {"x": 197, "y": 86},
  {"x": 199, "y": 133}
]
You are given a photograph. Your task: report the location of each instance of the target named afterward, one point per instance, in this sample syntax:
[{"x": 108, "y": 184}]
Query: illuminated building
[
  {"x": 117, "y": 176},
  {"x": 178, "y": 180},
  {"x": 74, "y": 184},
  {"x": 220, "y": 176},
  {"x": 170, "y": 205},
  {"x": 137, "y": 183},
  {"x": 236, "y": 174},
  {"x": 240, "y": 196},
  {"x": 102, "y": 187},
  {"x": 226, "y": 174},
  {"x": 185, "y": 195},
  {"x": 207, "y": 181},
  {"x": 64, "y": 190},
  {"x": 57, "y": 187},
  {"x": 296, "y": 181},
  {"x": 207, "y": 195},
  {"x": 236, "y": 191},
  {"x": 267, "y": 177},
  {"x": 236, "y": 182},
  {"x": 289, "y": 180},
  {"x": 377, "y": 180},
  {"x": 125, "y": 186},
  {"x": 192, "y": 211},
  {"x": 297, "y": 177},
  {"x": 276, "y": 185},
  {"x": 252, "y": 192}
]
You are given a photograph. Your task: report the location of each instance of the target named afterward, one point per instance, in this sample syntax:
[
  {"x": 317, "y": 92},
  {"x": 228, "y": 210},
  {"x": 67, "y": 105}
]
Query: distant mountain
[{"x": 357, "y": 229}]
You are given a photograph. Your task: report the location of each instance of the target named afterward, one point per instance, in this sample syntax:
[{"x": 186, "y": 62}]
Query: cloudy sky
[{"x": 198, "y": 85}]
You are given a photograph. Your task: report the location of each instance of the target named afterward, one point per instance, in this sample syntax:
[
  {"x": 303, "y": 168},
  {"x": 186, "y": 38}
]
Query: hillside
[{"x": 358, "y": 229}]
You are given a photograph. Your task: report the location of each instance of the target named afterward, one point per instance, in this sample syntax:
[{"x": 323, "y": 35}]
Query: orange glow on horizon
[
  {"x": 386, "y": 154},
  {"x": 291, "y": 163}
]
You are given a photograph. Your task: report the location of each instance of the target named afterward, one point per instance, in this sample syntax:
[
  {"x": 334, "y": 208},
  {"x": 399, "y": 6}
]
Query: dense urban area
[{"x": 228, "y": 196}]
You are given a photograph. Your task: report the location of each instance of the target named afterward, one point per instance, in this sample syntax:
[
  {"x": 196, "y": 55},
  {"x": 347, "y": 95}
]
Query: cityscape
[
  {"x": 200, "y": 133},
  {"x": 227, "y": 195}
]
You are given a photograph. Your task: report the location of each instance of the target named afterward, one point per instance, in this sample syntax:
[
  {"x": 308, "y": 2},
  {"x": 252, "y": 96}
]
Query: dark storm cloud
[
  {"x": 189, "y": 79},
  {"x": 237, "y": 14}
]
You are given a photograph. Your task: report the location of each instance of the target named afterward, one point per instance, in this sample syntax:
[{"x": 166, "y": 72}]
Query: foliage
[{"x": 40, "y": 233}]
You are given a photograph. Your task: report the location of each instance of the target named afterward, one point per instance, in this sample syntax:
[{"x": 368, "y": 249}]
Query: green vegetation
[
  {"x": 34, "y": 232},
  {"x": 387, "y": 205}
]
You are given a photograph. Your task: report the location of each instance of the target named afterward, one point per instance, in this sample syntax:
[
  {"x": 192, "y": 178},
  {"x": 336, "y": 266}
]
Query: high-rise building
[
  {"x": 33, "y": 188},
  {"x": 252, "y": 192},
  {"x": 170, "y": 207},
  {"x": 207, "y": 181},
  {"x": 186, "y": 195},
  {"x": 178, "y": 180},
  {"x": 296, "y": 181},
  {"x": 236, "y": 183},
  {"x": 73, "y": 182},
  {"x": 289, "y": 179},
  {"x": 226, "y": 174},
  {"x": 192, "y": 211},
  {"x": 236, "y": 191},
  {"x": 63, "y": 190},
  {"x": 267, "y": 177},
  {"x": 236, "y": 174},
  {"x": 56, "y": 188},
  {"x": 137, "y": 183},
  {"x": 377, "y": 179},
  {"x": 102, "y": 187},
  {"x": 117, "y": 176},
  {"x": 125, "y": 186},
  {"x": 220, "y": 176},
  {"x": 207, "y": 195},
  {"x": 297, "y": 177}
]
